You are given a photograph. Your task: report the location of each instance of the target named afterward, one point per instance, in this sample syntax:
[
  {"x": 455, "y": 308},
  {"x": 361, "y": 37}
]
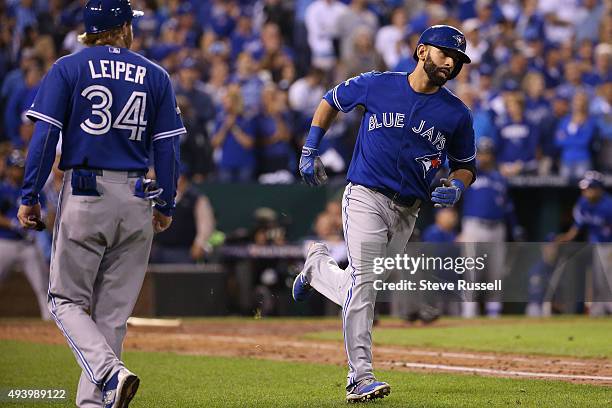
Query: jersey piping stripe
[
  {"x": 44, "y": 118},
  {"x": 169, "y": 133},
  {"x": 472, "y": 157},
  {"x": 335, "y": 98},
  {"x": 52, "y": 298},
  {"x": 72, "y": 344}
]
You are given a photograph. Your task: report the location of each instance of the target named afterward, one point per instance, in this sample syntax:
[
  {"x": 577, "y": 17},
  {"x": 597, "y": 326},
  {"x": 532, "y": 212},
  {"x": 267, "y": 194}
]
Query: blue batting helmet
[
  {"x": 104, "y": 15},
  {"x": 447, "y": 38}
]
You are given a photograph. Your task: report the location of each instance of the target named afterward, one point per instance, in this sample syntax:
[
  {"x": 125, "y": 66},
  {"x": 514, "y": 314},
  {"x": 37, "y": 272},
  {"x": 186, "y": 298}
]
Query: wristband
[
  {"x": 315, "y": 134},
  {"x": 458, "y": 183}
]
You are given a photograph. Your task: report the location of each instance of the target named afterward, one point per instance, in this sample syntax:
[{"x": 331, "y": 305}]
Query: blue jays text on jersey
[
  {"x": 596, "y": 218},
  {"x": 112, "y": 97},
  {"x": 405, "y": 136}
]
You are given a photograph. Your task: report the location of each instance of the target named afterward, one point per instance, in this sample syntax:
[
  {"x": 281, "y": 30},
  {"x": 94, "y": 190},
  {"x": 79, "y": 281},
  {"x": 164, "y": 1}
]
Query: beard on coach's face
[{"x": 437, "y": 75}]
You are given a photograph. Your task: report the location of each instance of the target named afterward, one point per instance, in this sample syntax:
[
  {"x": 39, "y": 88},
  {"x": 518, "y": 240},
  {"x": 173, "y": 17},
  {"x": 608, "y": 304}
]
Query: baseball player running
[
  {"x": 17, "y": 246},
  {"x": 410, "y": 126},
  {"x": 113, "y": 107}
]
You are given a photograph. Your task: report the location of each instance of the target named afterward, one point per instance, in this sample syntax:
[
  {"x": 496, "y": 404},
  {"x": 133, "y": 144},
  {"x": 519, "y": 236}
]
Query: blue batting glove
[
  {"x": 311, "y": 167},
  {"x": 448, "y": 193}
]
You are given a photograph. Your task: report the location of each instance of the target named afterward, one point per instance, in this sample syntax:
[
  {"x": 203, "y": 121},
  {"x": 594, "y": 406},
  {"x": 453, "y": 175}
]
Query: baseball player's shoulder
[{"x": 454, "y": 103}]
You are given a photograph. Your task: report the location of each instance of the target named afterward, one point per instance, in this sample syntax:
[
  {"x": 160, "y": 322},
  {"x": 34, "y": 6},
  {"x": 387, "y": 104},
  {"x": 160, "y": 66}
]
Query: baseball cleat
[
  {"x": 301, "y": 287},
  {"x": 368, "y": 390},
  {"x": 119, "y": 390}
]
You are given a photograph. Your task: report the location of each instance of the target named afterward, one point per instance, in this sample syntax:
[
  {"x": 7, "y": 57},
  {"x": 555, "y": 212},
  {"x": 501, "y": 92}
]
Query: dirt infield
[{"x": 282, "y": 340}]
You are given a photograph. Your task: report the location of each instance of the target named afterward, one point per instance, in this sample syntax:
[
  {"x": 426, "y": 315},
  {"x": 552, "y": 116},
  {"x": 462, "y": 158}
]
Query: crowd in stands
[{"x": 249, "y": 74}]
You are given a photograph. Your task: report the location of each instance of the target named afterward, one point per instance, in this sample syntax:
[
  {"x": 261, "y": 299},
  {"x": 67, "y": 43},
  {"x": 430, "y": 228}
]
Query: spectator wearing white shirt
[
  {"x": 389, "y": 38},
  {"x": 306, "y": 93},
  {"x": 475, "y": 46},
  {"x": 322, "y": 23},
  {"x": 354, "y": 19}
]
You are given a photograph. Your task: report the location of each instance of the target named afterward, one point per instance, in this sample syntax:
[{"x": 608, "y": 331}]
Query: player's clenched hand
[
  {"x": 29, "y": 216},
  {"x": 161, "y": 222},
  {"x": 448, "y": 193},
  {"x": 311, "y": 167}
]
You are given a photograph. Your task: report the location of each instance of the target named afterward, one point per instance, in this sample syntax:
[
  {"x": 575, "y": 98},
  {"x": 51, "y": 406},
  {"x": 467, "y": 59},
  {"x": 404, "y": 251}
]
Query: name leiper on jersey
[{"x": 113, "y": 98}]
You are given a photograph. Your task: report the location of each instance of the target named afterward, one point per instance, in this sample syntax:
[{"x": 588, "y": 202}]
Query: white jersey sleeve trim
[
  {"x": 472, "y": 157},
  {"x": 170, "y": 133},
  {"x": 44, "y": 118},
  {"x": 335, "y": 98}
]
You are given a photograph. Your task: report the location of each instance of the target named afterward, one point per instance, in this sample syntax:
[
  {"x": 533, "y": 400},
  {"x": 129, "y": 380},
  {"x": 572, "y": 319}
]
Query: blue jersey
[
  {"x": 596, "y": 218},
  {"x": 405, "y": 136},
  {"x": 516, "y": 141},
  {"x": 487, "y": 198},
  {"x": 110, "y": 104},
  {"x": 233, "y": 154},
  {"x": 575, "y": 140},
  {"x": 433, "y": 233}
]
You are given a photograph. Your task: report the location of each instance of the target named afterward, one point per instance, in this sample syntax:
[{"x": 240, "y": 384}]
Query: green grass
[
  {"x": 562, "y": 337},
  {"x": 173, "y": 380}
]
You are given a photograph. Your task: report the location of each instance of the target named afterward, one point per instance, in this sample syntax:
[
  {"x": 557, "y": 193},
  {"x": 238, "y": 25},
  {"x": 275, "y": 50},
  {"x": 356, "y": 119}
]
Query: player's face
[
  {"x": 592, "y": 194},
  {"x": 438, "y": 65}
]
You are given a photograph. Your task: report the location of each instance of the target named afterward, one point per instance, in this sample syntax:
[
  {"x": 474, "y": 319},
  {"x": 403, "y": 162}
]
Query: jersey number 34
[{"x": 130, "y": 118}]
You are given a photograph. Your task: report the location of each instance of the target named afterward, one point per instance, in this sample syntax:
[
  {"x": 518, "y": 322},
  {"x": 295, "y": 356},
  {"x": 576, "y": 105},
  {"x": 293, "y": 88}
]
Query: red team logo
[{"x": 430, "y": 161}]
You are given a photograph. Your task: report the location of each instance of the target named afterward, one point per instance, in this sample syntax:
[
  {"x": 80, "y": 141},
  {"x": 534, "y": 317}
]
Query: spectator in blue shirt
[
  {"x": 20, "y": 101},
  {"x": 574, "y": 137},
  {"x": 549, "y": 150},
  {"x": 274, "y": 57},
  {"x": 277, "y": 158},
  {"x": 244, "y": 37},
  {"x": 250, "y": 83},
  {"x": 517, "y": 140},
  {"x": 445, "y": 227},
  {"x": 234, "y": 138},
  {"x": 537, "y": 106}
]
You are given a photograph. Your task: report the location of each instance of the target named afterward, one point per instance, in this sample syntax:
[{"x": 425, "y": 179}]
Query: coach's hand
[
  {"x": 448, "y": 193},
  {"x": 311, "y": 167},
  {"x": 29, "y": 217},
  {"x": 161, "y": 222}
]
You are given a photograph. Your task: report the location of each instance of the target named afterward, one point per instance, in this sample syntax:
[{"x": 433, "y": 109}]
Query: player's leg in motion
[
  {"x": 38, "y": 274},
  {"x": 98, "y": 265},
  {"x": 373, "y": 227}
]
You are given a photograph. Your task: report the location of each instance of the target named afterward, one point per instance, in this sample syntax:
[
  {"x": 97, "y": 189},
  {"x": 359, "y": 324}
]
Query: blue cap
[
  {"x": 448, "y": 38},
  {"x": 104, "y": 15},
  {"x": 592, "y": 179}
]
